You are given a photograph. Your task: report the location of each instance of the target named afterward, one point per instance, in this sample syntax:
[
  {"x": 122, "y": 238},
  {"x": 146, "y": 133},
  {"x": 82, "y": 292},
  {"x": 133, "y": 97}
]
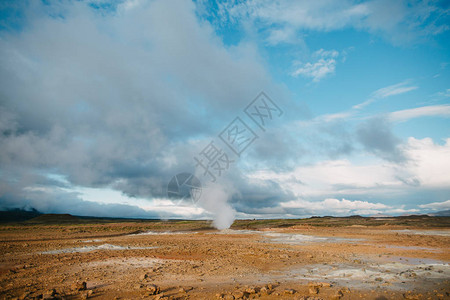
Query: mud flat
[{"x": 325, "y": 259}]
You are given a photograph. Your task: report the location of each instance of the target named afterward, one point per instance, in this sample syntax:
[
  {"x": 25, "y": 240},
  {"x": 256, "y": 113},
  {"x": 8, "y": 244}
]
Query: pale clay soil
[{"x": 300, "y": 262}]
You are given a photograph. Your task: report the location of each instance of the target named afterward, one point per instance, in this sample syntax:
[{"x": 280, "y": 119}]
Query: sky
[{"x": 281, "y": 109}]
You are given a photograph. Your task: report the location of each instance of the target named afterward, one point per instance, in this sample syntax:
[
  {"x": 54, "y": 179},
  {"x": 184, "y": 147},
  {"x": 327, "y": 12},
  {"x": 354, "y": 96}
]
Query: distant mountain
[
  {"x": 380, "y": 216},
  {"x": 54, "y": 219},
  {"x": 443, "y": 213},
  {"x": 18, "y": 215},
  {"x": 35, "y": 217}
]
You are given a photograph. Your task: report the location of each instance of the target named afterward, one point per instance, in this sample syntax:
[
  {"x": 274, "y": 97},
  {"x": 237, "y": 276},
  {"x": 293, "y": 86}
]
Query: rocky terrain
[{"x": 324, "y": 259}]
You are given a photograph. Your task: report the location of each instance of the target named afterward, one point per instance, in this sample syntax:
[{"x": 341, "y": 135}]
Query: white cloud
[
  {"x": 316, "y": 70},
  {"x": 326, "y": 53},
  {"x": 319, "y": 15},
  {"x": 437, "y": 205},
  {"x": 392, "y": 90},
  {"x": 362, "y": 186},
  {"x": 334, "y": 178},
  {"x": 343, "y": 207},
  {"x": 331, "y": 117},
  {"x": 326, "y": 64},
  {"x": 398, "y": 21},
  {"x": 279, "y": 35},
  {"x": 430, "y": 162},
  {"x": 424, "y": 111},
  {"x": 333, "y": 204},
  {"x": 427, "y": 168},
  {"x": 444, "y": 94},
  {"x": 129, "y": 5}
]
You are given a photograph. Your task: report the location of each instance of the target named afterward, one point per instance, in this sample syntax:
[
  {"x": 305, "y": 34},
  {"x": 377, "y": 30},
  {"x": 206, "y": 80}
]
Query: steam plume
[{"x": 214, "y": 199}]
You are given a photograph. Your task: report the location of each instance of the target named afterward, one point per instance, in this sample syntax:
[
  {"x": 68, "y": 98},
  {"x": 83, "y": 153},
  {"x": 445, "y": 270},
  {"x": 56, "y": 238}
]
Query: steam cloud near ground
[{"x": 215, "y": 199}]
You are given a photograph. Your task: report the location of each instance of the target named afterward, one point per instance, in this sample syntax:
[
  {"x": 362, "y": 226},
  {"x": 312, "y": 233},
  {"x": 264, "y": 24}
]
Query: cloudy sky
[{"x": 103, "y": 102}]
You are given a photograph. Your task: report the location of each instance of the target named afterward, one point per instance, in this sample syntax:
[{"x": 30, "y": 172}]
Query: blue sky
[{"x": 102, "y": 102}]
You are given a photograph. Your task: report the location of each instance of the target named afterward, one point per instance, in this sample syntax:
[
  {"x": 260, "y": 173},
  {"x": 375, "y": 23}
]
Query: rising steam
[{"x": 214, "y": 199}]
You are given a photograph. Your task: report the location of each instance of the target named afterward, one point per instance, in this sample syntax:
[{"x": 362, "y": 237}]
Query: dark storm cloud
[
  {"x": 377, "y": 137},
  {"x": 58, "y": 201},
  {"x": 121, "y": 98}
]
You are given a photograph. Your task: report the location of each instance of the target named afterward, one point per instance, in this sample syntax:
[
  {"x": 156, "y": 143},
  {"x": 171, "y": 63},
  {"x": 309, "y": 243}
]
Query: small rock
[
  {"x": 161, "y": 296},
  {"x": 251, "y": 290},
  {"x": 240, "y": 295},
  {"x": 143, "y": 276},
  {"x": 314, "y": 290},
  {"x": 50, "y": 294},
  {"x": 410, "y": 296},
  {"x": 79, "y": 286},
  {"x": 337, "y": 296},
  {"x": 320, "y": 284},
  {"x": 378, "y": 279},
  {"x": 289, "y": 291},
  {"x": 185, "y": 289},
  {"x": 153, "y": 289},
  {"x": 84, "y": 296}
]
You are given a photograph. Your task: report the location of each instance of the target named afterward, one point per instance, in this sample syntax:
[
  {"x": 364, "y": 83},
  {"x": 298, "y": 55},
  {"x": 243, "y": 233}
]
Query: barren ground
[{"x": 256, "y": 259}]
